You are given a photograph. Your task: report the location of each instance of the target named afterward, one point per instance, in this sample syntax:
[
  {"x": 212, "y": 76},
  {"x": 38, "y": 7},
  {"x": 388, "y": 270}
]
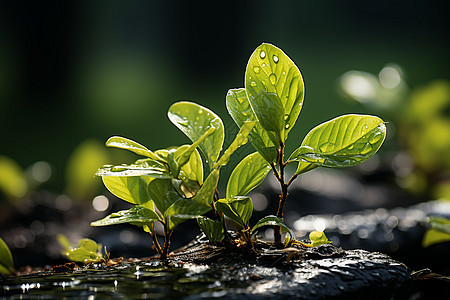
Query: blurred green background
[{"x": 73, "y": 73}]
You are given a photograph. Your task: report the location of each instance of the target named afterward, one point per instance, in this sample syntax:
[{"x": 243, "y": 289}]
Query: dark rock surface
[{"x": 325, "y": 272}]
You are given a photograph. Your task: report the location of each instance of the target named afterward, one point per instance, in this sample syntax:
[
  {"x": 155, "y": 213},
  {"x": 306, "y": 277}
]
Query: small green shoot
[
  {"x": 86, "y": 251},
  {"x": 168, "y": 185},
  {"x": 6, "y": 259}
]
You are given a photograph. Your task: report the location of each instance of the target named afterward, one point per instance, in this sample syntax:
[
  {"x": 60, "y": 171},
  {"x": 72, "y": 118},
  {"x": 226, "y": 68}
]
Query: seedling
[
  {"x": 167, "y": 185},
  {"x": 6, "y": 259}
]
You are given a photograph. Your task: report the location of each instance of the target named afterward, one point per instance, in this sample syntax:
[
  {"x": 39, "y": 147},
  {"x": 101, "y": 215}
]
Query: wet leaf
[
  {"x": 273, "y": 221},
  {"x": 318, "y": 238},
  {"x": 130, "y": 189},
  {"x": 341, "y": 142},
  {"x": 163, "y": 193},
  {"x": 247, "y": 175},
  {"x": 87, "y": 250},
  {"x": 213, "y": 229},
  {"x": 146, "y": 167},
  {"x": 193, "y": 169},
  {"x": 239, "y": 140},
  {"x": 272, "y": 79},
  {"x": 194, "y": 121},
  {"x": 239, "y": 209},
  {"x": 137, "y": 215},
  {"x": 6, "y": 259},
  {"x": 127, "y": 144},
  {"x": 201, "y": 203},
  {"x": 240, "y": 110}
]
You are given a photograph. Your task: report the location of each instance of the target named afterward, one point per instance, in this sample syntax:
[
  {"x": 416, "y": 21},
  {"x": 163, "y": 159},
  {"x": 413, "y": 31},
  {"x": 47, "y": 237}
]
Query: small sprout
[{"x": 86, "y": 251}]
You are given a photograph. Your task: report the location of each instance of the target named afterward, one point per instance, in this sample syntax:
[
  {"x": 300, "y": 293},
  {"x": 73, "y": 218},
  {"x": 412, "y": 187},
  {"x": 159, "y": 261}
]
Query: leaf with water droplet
[
  {"x": 184, "y": 116},
  {"x": 240, "y": 110},
  {"x": 340, "y": 142},
  {"x": 127, "y": 144},
  {"x": 289, "y": 91},
  {"x": 247, "y": 175}
]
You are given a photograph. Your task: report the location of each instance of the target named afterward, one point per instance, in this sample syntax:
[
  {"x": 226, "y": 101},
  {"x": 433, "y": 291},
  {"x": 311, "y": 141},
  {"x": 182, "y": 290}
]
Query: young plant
[
  {"x": 167, "y": 186},
  {"x": 6, "y": 259},
  {"x": 273, "y": 97}
]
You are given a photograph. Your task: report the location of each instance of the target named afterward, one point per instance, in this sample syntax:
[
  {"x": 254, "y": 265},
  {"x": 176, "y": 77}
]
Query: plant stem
[
  {"x": 283, "y": 196},
  {"x": 167, "y": 235},
  {"x": 156, "y": 243}
]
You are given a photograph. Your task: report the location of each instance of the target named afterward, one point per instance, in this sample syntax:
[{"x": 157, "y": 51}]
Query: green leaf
[
  {"x": 247, "y": 175},
  {"x": 238, "y": 209},
  {"x": 211, "y": 228},
  {"x": 193, "y": 169},
  {"x": 130, "y": 189},
  {"x": 184, "y": 154},
  {"x": 318, "y": 238},
  {"x": 434, "y": 236},
  {"x": 87, "y": 250},
  {"x": 163, "y": 193},
  {"x": 273, "y": 221},
  {"x": 341, "y": 142},
  {"x": 440, "y": 224},
  {"x": 194, "y": 121},
  {"x": 271, "y": 76},
  {"x": 137, "y": 215},
  {"x": 239, "y": 140},
  {"x": 201, "y": 203},
  {"x": 240, "y": 110},
  {"x": 6, "y": 259},
  {"x": 146, "y": 167},
  {"x": 127, "y": 144}
]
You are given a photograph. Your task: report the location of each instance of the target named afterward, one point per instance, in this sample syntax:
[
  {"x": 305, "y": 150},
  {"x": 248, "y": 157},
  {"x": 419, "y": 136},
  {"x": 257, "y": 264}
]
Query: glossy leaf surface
[
  {"x": 273, "y": 80},
  {"x": 193, "y": 168},
  {"x": 273, "y": 221},
  {"x": 6, "y": 259},
  {"x": 194, "y": 121},
  {"x": 189, "y": 208},
  {"x": 238, "y": 209},
  {"x": 130, "y": 189},
  {"x": 146, "y": 167},
  {"x": 137, "y": 215},
  {"x": 213, "y": 229},
  {"x": 163, "y": 193},
  {"x": 127, "y": 144},
  {"x": 240, "y": 110},
  {"x": 341, "y": 142},
  {"x": 318, "y": 238},
  {"x": 239, "y": 140},
  {"x": 86, "y": 251},
  {"x": 247, "y": 175}
]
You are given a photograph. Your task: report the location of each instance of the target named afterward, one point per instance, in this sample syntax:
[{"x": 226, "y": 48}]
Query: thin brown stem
[
  {"x": 155, "y": 240},
  {"x": 167, "y": 235}
]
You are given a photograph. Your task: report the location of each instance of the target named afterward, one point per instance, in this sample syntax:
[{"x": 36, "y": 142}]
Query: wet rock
[{"x": 311, "y": 274}]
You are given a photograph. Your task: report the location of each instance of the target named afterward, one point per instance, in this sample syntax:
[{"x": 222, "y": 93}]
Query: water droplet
[
  {"x": 263, "y": 65},
  {"x": 200, "y": 111},
  {"x": 375, "y": 138},
  {"x": 286, "y": 117},
  {"x": 253, "y": 83},
  {"x": 284, "y": 73},
  {"x": 365, "y": 126},
  {"x": 262, "y": 54},
  {"x": 367, "y": 148},
  {"x": 273, "y": 78},
  {"x": 256, "y": 69},
  {"x": 275, "y": 59},
  {"x": 287, "y": 126}
]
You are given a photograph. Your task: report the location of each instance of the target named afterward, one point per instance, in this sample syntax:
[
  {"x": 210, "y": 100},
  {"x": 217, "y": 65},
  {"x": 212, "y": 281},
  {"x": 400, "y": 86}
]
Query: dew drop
[
  {"x": 287, "y": 126},
  {"x": 256, "y": 69},
  {"x": 375, "y": 138},
  {"x": 200, "y": 111},
  {"x": 286, "y": 117},
  {"x": 275, "y": 59},
  {"x": 367, "y": 148},
  {"x": 262, "y": 54},
  {"x": 284, "y": 73},
  {"x": 365, "y": 126},
  {"x": 263, "y": 65},
  {"x": 253, "y": 83},
  {"x": 273, "y": 78}
]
